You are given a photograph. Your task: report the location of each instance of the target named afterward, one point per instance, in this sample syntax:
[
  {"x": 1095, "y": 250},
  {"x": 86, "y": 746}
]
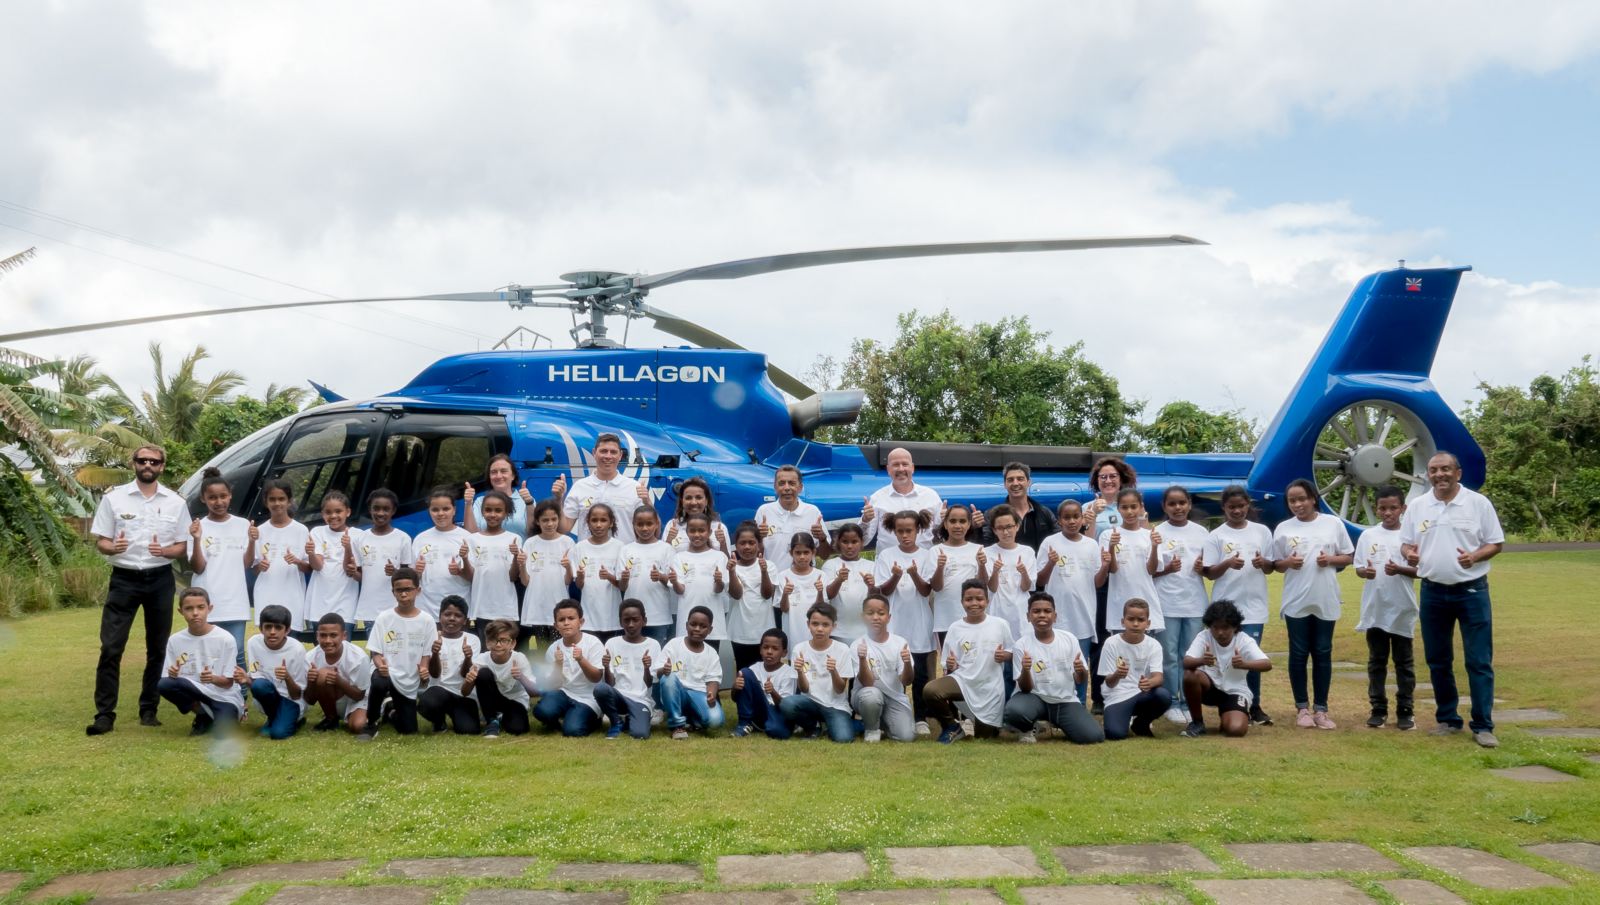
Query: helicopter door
[
  {"x": 423, "y": 450},
  {"x": 324, "y": 453}
]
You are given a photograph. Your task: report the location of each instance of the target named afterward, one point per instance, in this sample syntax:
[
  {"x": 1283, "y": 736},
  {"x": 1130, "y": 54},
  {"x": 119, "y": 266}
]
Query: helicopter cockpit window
[{"x": 323, "y": 454}]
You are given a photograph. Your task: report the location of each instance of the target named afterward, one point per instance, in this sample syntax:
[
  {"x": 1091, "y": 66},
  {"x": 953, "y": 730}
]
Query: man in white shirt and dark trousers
[
  {"x": 139, "y": 527},
  {"x": 1450, "y": 535}
]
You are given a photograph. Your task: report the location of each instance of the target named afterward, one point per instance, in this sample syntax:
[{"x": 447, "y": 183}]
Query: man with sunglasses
[{"x": 139, "y": 526}]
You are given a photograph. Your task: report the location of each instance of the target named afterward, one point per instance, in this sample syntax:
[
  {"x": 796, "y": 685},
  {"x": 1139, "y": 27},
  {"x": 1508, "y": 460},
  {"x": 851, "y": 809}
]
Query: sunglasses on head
[{"x": 145, "y": 460}]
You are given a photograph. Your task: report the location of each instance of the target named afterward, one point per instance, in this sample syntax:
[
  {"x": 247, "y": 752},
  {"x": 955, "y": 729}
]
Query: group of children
[{"x": 631, "y": 633}]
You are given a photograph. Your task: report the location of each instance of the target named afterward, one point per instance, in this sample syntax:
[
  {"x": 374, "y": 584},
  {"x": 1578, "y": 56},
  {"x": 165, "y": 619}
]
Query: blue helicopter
[{"x": 1363, "y": 414}]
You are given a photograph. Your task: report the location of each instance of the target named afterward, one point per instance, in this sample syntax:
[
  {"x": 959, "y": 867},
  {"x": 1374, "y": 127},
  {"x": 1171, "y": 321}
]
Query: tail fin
[{"x": 1365, "y": 412}]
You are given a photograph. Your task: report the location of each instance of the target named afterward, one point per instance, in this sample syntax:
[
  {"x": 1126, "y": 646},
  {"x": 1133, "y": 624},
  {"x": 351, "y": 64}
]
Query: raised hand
[
  {"x": 523, "y": 492},
  {"x": 120, "y": 545},
  {"x": 905, "y": 656},
  {"x": 1464, "y": 558},
  {"x": 722, "y": 535},
  {"x": 983, "y": 558},
  {"x": 950, "y": 662},
  {"x": 644, "y": 493},
  {"x": 1199, "y": 564},
  {"x": 254, "y": 533},
  {"x": 388, "y": 567},
  {"x": 738, "y": 681},
  {"x": 438, "y": 644},
  {"x": 194, "y": 530},
  {"x": 468, "y": 493},
  {"x": 1238, "y": 657},
  {"x": 1391, "y": 568},
  {"x": 1001, "y": 655},
  {"x": 672, "y": 532},
  {"x": 155, "y": 543},
  {"x": 281, "y": 673},
  {"x": 832, "y": 665},
  {"x": 240, "y": 677},
  {"x": 558, "y": 488},
  {"x": 1295, "y": 560},
  {"x": 867, "y": 512},
  {"x": 977, "y": 515},
  {"x": 1027, "y": 661},
  {"x": 1322, "y": 559},
  {"x": 1261, "y": 562},
  {"x": 1210, "y": 656},
  {"x": 1155, "y": 538},
  {"x": 819, "y": 532}
]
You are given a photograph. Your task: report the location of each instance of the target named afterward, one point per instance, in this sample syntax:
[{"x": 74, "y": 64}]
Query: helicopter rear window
[
  {"x": 423, "y": 451},
  {"x": 325, "y": 454}
]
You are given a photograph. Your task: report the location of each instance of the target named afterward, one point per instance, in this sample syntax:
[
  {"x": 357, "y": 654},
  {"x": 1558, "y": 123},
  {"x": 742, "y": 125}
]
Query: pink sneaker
[
  {"x": 1322, "y": 720},
  {"x": 1302, "y": 718}
]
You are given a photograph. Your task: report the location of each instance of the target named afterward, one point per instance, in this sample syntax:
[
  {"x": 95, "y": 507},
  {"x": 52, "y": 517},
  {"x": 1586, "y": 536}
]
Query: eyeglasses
[{"x": 144, "y": 460}]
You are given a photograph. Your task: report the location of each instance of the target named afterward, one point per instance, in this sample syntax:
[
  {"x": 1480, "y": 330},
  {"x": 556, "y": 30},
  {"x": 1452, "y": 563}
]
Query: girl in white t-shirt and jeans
[{"x": 1309, "y": 550}]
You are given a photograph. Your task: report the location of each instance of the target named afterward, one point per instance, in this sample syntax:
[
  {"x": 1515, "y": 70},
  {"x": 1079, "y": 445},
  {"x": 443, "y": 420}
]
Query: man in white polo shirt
[
  {"x": 902, "y": 493},
  {"x": 140, "y": 526},
  {"x": 1450, "y": 535},
  {"x": 603, "y": 485}
]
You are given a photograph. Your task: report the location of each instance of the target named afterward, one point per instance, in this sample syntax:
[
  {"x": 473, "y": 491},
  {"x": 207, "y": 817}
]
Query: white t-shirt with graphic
[
  {"x": 803, "y": 655},
  {"x": 883, "y": 658},
  {"x": 194, "y": 654},
  {"x": 1009, "y": 600},
  {"x": 961, "y": 563},
  {"x": 494, "y": 594},
  {"x": 1183, "y": 593},
  {"x": 374, "y": 553},
  {"x": 262, "y": 662},
  {"x": 405, "y": 642},
  {"x": 979, "y": 675},
  {"x": 501, "y": 675},
  {"x": 1071, "y": 582},
  {"x": 695, "y": 669},
  {"x": 658, "y": 598},
  {"x": 451, "y": 656},
  {"x": 282, "y": 583},
  {"x": 573, "y": 681},
  {"x": 1132, "y": 576},
  {"x": 1052, "y": 665},
  {"x": 1311, "y": 590},
  {"x": 223, "y": 544},
  {"x": 751, "y": 614},
  {"x": 801, "y": 599},
  {"x": 437, "y": 548},
  {"x": 1388, "y": 602},
  {"x": 600, "y": 598},
  {"x": 852, "y": 595},
  {"x": 1246, "y": 587},
  {"x": 547, "y": 580},
  {"x": 910, "y": 616},
  {"x": 697, "y": 572},
  {"x": 1144, "y": 659},
  {"x": 331, "y": 590},
  {"x": 628, "y": 670},
  {"x": 1224, "y": 676},
  {"x": 354, "y": 666}
]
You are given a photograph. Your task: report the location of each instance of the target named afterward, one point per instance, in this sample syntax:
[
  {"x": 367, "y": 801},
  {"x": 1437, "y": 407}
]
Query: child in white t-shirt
[
  {"x": 900, "y": 572},
  {"x": 976, "y": 649},
  {"x": 799, "y": 587},
  {"x": 501, "y": 676},
  {"x": 823, "y": 669},
  {"x": 437, "y": 552},
  {"x": 450, "y": 658},
  {"x": 1388, "y": 611},
  {"x": 276, "y": 676},
  {"x": 1011, "y": 570},
  {"x": 400, "y": 645},
  {"x": 546, "y": 572},
  {"x": 338, "y": 675},
  {"x": 1129, "y": 574},
  {"x": 492, "y": 564},
  {"x": 646, "y": 574},
  {"x": 1180, "y": 581},
  {"x": 955, "y": 560},
  {"x": 201, "y": 661},
  {"x": 883, "y": 671},
  {"x": 760, "y": 689},
  {"x": 598, "y": 571},
  {"x": 334, "y": 586},
  {"x": 700, "y": 578},
  {"x": 1051, "y": 668},
  {"x": 380, "y": 550},
  {"x": 750, "y": 593},
  {"x": 847, "y": 580},
  {"x": 1130, "y": 666},
  {"x": 1238, "y": 559},
  {"x": 280, "y": 566},
  {"x": 1309, "y": 550},
  {"x": 1214, "y": 670},
  {"x": 1071, "y": 569},
  {"x": 629, "y": 659},
  {"x": 221, "y": 546},
  {"x": 689, "y": 677},
  {"x": 576, "y": 663}
]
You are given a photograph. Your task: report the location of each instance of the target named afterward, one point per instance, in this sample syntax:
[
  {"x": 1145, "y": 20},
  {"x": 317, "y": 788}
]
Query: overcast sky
[{"x": 368, "y": 149}]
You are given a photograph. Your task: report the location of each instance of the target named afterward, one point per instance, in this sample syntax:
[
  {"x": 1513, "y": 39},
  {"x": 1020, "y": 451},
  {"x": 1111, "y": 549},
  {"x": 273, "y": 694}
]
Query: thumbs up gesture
[
  {"x": 388, "y": 567},
  {"x": 1116, "y": 537},
  {"x": 155, "y": 543},
  {"x": 867, "y": 512},
  {"x": 466, "y": 648},
  {"x": 1199, "y": 563},
  {"x": 254, "y": 533},
  {"x": 120, "y": 545},
  {"x": 1001, "y": 655},
  {"x": 766, "y": 529},
  {"x": 1295, "y": 560},
  {"x": 896, "y": 571},
  {"x": 722, "y": 535},
  {"x": 1155, "y": 537},
  {"x": 1210, "y": 656},
  {"x": 1238, "y": 657},
  {"x": 281, "y": 673},
  {"x": 522, "y": 491},
  {"x": 194, "y": 531},
  {"x": 456, "y": 566},
  {"x": 311, "y": 545},
  {"x": 438, "y": 643},
  {"x": 819, "y": 532},
  {"x": 672, "y": 532},
  {"x": 738, "y": 681},
  {"x": 818, "y": 584},
  {"x": 558, "y": 488},
  {"x": 644, "y": 493},
  {"x": 949, "y": 661},
  {"x": 943, "y": 558},
  {"x": 1464, "y": 558},
  {"x": 468, "y": 493},
  {"x": 240, "y": 677},
  {"x": 1027, "y": 661}
]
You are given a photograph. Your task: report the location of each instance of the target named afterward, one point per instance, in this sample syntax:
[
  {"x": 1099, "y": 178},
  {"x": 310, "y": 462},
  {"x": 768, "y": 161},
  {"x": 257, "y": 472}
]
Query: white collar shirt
[
  {"x": 125, "y": 510},
  {"x": 620, "y": 493},
  {"x": 1440, "y": 530},
  {"x": 887, "y": 500}
]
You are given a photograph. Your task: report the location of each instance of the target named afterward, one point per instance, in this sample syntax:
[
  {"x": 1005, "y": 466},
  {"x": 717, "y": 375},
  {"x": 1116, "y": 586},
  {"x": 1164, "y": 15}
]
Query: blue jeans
[
  {"x": 235, "y": 627},
  {"x": 1179, "y": 634},
  {"x": 555, "y": 710},
  {"x": 661, "y": 633},
  {"x": 1253, "y": 678},
  {"x": 756, "y": 709},
  {"x": 620, "y": 709},
  {"x": 807, "y": 714},
  {"x": 1310, "y": 636},
  {"x": 1140, "y": 709},
  {"x": 1442, "y": 606},
  {"x": 686, "y": 707},
  {"x": 283, "y": 715}
]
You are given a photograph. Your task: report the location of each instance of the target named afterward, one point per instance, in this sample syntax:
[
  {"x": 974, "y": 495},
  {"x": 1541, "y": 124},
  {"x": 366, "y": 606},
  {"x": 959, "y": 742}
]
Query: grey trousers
[{"x": 889, "y": 712}]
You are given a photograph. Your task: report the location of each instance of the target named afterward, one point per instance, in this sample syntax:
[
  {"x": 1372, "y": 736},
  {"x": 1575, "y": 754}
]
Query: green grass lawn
[{"x": 143, "y": 797}]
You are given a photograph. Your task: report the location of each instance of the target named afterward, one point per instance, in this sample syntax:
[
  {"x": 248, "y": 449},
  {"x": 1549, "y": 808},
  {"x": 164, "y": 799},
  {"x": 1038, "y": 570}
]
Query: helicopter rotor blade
[
  {"x": 710, "y": 339},
  {"x": 732, "y": 270},
  {"x": 507, "y": 296}
]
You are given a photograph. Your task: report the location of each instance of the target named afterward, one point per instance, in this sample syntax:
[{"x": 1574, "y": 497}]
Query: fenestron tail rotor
[{"x": 603, "y": 293}]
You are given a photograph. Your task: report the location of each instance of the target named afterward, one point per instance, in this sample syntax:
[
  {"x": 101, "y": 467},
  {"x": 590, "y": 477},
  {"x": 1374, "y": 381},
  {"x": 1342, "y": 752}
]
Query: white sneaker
[
  {"x": 966, "y": 728},
  {"x": 1027, "y": 738},
  {"x": 872, "y": 735},
  {"x": 657, "y": 717},
  {"x": 1042, "y": 726},
  {"x": 1176, "y": 714},
  {"x": 922, "y": 729}
]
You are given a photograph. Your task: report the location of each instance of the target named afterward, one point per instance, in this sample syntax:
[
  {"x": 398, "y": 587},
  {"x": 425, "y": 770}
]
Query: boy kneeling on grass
[
  {"x": 277, "y": 675},
  {"x": 200, "y": 665},
  {"x": 338, "y": 675},
  {"x": 1215, "y": 671}
]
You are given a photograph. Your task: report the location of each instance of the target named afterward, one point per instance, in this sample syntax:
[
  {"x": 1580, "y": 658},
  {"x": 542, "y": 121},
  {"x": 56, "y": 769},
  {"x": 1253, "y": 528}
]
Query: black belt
[{"x": 124, "y": 570}]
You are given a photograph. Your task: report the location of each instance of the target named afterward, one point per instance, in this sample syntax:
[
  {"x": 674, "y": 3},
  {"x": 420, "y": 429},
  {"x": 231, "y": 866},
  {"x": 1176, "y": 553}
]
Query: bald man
[{"x": 902, "y": 493}]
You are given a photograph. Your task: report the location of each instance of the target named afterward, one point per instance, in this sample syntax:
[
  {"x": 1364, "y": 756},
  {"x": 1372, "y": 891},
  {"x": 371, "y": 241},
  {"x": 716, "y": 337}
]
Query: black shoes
[
  {"x": 100, "y": 726},
  {"x": 148, "y": 718}
]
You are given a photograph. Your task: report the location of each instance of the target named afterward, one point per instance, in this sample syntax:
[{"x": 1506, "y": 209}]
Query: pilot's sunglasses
[{"x": 148, "y": 461}]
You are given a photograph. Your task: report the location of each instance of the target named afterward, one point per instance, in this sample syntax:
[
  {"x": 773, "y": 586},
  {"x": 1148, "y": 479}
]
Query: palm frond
[{"x": 17, "y": 260}]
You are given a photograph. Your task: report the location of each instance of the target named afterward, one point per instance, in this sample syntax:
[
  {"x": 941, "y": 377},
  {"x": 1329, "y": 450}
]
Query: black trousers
[
  {"x": 513, "y": 716},
  {"x": 1101, "y": 633},
  {"x": 436, "y": 704},
  {"x": 745, "y": 654},
  {"x": 404, "y": 717},
  {"x": 130, "y": 591},
  {"x": 1381, "y": 647}
]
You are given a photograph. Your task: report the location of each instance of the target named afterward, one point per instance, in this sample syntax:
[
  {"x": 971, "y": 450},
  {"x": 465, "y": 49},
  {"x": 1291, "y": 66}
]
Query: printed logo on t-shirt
[{"x": 1426, "y": 524}]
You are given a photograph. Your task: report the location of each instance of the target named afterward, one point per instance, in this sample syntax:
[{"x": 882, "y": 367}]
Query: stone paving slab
[
  {"x": 1585, "y": 855},
  {"x": 1564, "y": 731},
  {"x": 353, "y": 895},
  {"x": 293, "y": 872},
  {"x": 203, "y": 895},
  {"x": 107, "y": 882},
  {"x": 1133, "y": 859},
  {"x": 1481, "y": 868},
  {"x": 540, "y": 897},
  {"x": 1277, "y": 892},
  {"x": 1100, "y": 894},
  {"x": 1526, "y": 715},
  {"x": 606, "y": 872},
  {"x": 818, "y": 867},
  {"x": 9, "y": 880},
  {"x": 1421, "y": 892},
  {"x": 469, "y": 868},
  {"x": 1311, "y": 857},
  {"x": 920, "y": 897},
  {"x": 955, "y": 862},
  {"x": 773, "y": 897},
  {"x": 1534, "y": 773},
  {"x": 1593, "y": 758}
]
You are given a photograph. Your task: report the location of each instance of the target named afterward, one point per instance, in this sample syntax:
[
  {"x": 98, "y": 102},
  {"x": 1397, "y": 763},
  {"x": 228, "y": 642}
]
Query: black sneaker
[
  {"x": 202, "y": 725},
  {"x": 148, "y": 718},
  {"x": 1193, "y": 730},
  {"x": 1406, "y": 723},
  {"x": 1376, "y": 721},
  {"x": 328, "y": 724},
  {"x": 100, "y": 726},
  {"x": 1141, "y": 728},
  {"x": 1098, "y": 709},
  {"x": 1259, "y": 717}
]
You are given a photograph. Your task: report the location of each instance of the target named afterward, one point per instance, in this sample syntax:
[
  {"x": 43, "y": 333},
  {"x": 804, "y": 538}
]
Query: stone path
[
  {"x": 1523, "y": 715},
  {"x": 1160, "y": 872},
  {"x": 1534, "y": 773},
  {"x": 1565, "y": 731}
]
